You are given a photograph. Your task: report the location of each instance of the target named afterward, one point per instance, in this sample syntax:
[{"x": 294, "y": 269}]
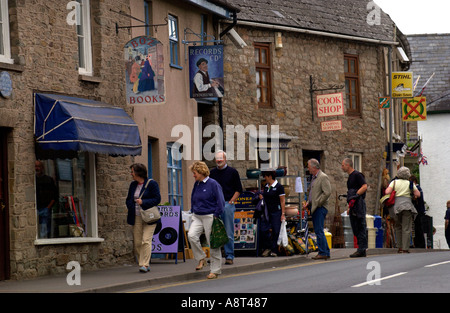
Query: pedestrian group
[{"x": 215, "y": 192}]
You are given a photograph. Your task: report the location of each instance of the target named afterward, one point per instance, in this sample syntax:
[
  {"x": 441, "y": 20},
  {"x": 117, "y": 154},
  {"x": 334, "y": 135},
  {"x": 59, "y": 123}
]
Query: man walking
[
  {"x": 229, "y": 180},
  {"x": 357, "y": 187},
  {"x": 319, "y": 193}
]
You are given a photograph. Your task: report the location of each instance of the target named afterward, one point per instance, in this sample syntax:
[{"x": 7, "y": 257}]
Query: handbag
[
  {"x": 152, "y": 215},
  {"x": 391, "y": 201},
  {"x": 219, "y": 235}
]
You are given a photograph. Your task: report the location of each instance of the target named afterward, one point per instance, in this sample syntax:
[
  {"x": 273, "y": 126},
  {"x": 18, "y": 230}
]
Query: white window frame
[
  {"x": 6, "y": 56},
  {"x": 86, "y": 54},
  {"x": 357, "y": 160},
  {"x": 93, "y": 212}
]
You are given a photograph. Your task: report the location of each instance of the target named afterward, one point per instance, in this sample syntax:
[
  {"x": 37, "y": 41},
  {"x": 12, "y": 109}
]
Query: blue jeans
[
  {"x": 228, "y": 220},
  {"x": 318, "y": 219}
]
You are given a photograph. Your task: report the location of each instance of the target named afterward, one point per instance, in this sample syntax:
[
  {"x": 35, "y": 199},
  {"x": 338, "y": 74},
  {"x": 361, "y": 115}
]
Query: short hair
[
  {"x": 448, "y": 202},
  {"x": 271, "y": 173},
  {"x": 403, "y": 173},
  {"x": 139, "y": 169},
  {"x": 348, "y": 161},
  {"x": 314, "y": 163},
  {"x": 223, "y": 153},
  {"x": 200, "y": 167}
]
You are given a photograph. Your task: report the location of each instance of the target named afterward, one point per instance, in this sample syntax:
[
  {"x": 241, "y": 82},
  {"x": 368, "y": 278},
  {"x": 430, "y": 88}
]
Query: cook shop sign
[{"x": 330, "y": 105}]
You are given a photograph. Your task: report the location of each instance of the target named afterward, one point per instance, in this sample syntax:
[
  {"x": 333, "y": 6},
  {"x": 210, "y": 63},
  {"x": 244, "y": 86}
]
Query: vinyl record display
[
  {"x": 167, "y": 232},
  {"x": 168, "y": 236}
]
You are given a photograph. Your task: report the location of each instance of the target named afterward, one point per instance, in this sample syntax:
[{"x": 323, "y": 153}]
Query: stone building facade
[{"x": 296, "y": 53}]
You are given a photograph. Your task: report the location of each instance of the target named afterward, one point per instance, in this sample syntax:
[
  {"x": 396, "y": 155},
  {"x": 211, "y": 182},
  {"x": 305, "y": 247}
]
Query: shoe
[
  {"x": 144, "y": 269},
  {"x": 321, "y": 257},
  {"x": 212, "y": 276},
  {"x": 266, "y": 253},
  {"x": 273, "y": 254},
  {"x": 358, "y": 254},
  {"x": 201, "y": 264},
  {"x": 229, "y": 262}
]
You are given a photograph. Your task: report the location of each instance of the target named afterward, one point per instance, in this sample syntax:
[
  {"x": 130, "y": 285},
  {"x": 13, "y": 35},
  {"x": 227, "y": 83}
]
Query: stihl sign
[{"x": 330, "y": 105}]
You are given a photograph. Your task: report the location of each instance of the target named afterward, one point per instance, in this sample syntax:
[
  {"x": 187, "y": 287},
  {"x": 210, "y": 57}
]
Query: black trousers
[{"x": 359, "y": 228}]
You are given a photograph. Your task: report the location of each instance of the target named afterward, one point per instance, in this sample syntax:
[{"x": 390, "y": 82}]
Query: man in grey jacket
[{"x": 318, "y": 195}]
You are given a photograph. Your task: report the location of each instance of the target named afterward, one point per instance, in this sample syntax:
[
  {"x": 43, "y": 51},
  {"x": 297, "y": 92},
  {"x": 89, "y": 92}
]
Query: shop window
[
  {"x": 148, "y": 18},
  {"x": 353, "y": 99},
  {"x": 5, "y": 48},
  {"x": 263, "y": 74},
  {"x": 175, "y": 174},
  {"x": 65, "y": 197},
  {"x": 173, "y": 41},
  {"x": 84, "y": 39}
]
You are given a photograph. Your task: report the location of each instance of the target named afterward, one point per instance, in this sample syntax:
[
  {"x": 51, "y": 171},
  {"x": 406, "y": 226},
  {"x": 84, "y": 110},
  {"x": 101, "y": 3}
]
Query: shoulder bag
[
  {"x": 391, "y": 201},
  {"x": 152, "y": 215}
]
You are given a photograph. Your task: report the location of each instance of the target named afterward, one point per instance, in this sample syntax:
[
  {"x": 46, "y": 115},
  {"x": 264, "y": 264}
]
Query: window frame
[
  {"x": 174, "y": 166},
  {"x": 5, "y": 57},
  {"x": 264, "y": 68},
  {"x": 352, "y": 76},
  {"x": 174, "y": 41},
  {"x": 85, "y": 26},
  {"x": 357, "y": 164}
]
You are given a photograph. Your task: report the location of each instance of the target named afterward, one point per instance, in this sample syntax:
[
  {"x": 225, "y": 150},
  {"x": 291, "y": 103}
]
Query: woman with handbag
[
  {"x": 143, "y": 193},
  {"x": 403, "y": 211},
  {"x": 207, "y": 203}
]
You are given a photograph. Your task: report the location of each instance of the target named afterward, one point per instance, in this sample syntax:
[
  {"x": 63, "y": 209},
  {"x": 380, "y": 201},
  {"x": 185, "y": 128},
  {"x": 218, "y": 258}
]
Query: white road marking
[
  {"x": 436, "y": 264},
  {"x": 371, "y": 282}
]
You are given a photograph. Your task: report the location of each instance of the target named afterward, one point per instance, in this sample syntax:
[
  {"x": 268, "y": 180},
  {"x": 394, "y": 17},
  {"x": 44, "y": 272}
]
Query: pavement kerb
[{"x": 268, "y": 263}]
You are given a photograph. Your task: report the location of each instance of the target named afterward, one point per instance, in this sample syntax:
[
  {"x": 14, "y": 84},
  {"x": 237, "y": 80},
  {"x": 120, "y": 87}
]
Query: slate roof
[
  {"x": 348, "y": 17},
  {"x": 431, "y": 54}
]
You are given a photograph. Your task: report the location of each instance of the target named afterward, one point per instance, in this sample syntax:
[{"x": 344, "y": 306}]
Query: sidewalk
[{"x": 163, "y": 272}]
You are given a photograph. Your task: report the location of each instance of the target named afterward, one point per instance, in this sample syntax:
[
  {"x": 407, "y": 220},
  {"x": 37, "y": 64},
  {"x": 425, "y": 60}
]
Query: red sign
[{"x": 331, "y": 125}]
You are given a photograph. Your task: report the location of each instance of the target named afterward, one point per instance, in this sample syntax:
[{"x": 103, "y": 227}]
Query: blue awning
[{"x": 65, "y": 123}]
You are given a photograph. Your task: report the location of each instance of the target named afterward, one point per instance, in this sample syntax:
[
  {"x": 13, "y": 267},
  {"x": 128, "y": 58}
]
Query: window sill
[
  {"x": 176, "y": 66},
  {"x": 90, "y": 79},
  {"x": 11, "y": 67},
  {"x": 68, "y": 240}
]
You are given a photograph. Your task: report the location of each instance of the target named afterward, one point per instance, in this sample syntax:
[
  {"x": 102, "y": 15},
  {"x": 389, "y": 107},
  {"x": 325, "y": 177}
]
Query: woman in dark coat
[{"x": 145, "y": 197}]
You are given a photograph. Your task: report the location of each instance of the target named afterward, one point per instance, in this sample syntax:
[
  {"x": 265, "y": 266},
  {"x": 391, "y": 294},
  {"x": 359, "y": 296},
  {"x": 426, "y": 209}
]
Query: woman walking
[
  {"x": 207, "y": 203},
  {"x": 403, "y": 211},
  {"x": 142, "y": 193}
]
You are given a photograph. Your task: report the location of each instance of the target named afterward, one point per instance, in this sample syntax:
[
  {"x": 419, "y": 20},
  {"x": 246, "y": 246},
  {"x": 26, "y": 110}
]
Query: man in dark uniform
[{"x": 357, "y": 187}]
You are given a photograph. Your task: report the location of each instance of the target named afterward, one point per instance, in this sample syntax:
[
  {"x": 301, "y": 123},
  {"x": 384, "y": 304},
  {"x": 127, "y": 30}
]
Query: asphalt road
[{"x": 396, "y": 273}]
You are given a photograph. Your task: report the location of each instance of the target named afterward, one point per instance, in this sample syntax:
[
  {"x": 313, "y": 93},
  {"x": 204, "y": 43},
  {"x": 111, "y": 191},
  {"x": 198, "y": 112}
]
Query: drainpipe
[{"x": 223, "y": 33}]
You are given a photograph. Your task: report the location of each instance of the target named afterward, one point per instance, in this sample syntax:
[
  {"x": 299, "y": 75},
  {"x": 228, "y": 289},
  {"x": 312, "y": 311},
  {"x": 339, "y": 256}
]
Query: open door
[{"x": 4, "y": 211}]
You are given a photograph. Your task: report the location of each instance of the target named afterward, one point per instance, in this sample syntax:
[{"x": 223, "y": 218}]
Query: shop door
[{"x": 4, "y": 212}]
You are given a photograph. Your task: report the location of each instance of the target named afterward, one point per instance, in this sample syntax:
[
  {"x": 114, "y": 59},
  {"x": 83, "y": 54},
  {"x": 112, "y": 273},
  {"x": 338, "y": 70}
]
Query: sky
[{"x": 418, "y": 16}]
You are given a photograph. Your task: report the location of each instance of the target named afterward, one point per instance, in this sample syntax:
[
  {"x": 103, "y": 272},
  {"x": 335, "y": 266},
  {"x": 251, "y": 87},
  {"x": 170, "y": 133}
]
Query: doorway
[{"x": 4, "y": 211}]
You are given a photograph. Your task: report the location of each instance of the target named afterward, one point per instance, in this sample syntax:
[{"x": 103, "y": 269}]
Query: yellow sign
[
  {"x": 402, "y": 85},
  {"x": 414, "y": 109}
]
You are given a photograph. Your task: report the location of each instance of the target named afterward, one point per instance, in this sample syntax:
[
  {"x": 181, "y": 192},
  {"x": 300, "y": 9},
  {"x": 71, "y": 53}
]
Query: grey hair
[
  {"x": 221, "y": 151},
  {"x": 403, "y": 173},
  {"x": 314, "y": 163},
  {"x": 348, "y": 161}
]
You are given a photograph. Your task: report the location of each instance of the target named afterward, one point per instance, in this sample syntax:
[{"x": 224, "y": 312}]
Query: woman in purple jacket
[{"x": 207, "y": 203}]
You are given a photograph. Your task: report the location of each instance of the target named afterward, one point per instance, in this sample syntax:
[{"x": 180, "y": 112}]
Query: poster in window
[
  {"x": 144, "y": 71},
  {"x": 206, "y": 71}
]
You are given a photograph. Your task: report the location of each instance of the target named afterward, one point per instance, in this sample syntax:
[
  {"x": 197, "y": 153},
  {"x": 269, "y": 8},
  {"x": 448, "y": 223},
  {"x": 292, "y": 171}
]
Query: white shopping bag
[{"x": 283, "y": 237}]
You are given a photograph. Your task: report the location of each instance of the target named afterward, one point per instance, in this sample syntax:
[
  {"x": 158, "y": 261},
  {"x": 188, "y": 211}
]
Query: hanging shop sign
[
  {"x": 402, "y": 85},
  {"x": 144, "y": 71},
  {"x": 331, "y": 126},
  {"x": 206, "y": 71},
  {"x": 167, "y": 233},
  {"x": 330, "y": 105},
  {"x": 414, "y": 109},
  {"x": 384, "y": 103}
]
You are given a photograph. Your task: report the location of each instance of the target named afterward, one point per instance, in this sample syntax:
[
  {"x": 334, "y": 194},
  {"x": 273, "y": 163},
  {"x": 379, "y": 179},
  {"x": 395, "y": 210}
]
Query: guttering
[{"x": 318, "y": 33}]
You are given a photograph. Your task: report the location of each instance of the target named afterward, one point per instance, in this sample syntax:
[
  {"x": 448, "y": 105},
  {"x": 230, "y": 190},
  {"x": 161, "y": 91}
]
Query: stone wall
[
  {"x": 45, "y": 50},
  {"x": 302, "y": 56}
]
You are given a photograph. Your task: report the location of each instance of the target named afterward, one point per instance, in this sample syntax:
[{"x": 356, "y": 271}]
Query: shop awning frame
[{"x": 64, "y": 124}]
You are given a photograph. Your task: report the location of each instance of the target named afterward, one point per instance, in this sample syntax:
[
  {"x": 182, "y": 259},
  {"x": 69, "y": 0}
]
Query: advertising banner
[
  {"x": 414, "y": 109},
  {"x": 330, "y": 105},
  {"x": 402, "y": 84},
  {"x": 206, "y": 71},
  {"x": 166, "y": 236},
  {"x": 144, "y": 71}
]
